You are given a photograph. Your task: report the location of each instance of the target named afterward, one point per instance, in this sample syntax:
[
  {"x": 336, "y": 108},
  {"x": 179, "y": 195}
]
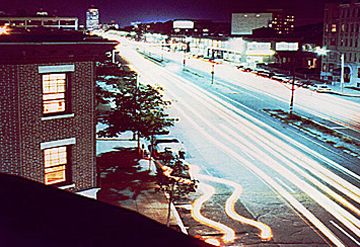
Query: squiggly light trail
[
  {"x": 229, "y": 234},
  {"x": 265, "y": 231}
]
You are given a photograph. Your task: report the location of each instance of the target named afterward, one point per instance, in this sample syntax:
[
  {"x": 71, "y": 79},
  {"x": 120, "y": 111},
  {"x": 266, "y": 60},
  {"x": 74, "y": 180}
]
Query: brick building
[
  {"x": 47, "y": 107},
  {"x": 277, "y": 19},
  {"x": 341, "y": 37}
]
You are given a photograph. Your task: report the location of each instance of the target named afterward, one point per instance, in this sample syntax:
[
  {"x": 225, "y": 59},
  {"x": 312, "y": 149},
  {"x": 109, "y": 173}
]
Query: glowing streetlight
[
  {"x": 323, "y": 52},
  {"x": 4, "y": 30}
]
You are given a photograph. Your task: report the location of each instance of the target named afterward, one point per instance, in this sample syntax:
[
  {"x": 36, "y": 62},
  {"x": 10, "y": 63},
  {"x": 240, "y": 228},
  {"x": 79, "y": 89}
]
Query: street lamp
[
  {"x": 324, "y": 52},
  {"x": 4, "y": 30},
  {"x": 212, "y": 71}
]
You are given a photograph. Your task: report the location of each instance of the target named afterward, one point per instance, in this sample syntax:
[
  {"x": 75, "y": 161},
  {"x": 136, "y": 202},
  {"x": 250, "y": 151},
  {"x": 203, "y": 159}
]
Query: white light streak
[
  {"x": 229, "y": 234},
  {"x": 265, "y": 231}
]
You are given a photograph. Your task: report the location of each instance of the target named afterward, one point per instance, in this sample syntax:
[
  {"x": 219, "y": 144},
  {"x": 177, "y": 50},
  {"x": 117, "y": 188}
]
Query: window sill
[
  {"x": 65, "y": 187},
  {"x": 58, "y": 116}
]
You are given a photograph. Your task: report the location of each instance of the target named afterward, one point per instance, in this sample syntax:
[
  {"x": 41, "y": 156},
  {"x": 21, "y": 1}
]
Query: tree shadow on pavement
[{"x": 120, "y": 176}]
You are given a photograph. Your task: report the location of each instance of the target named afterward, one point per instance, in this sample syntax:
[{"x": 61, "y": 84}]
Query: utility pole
[
  {"x": 292, "y": 93},
  {"x": 184, "y": 61},
  {"x": 171, "y": 197},
  {"x": 342, "y": 73},
  {"x": 212, "y": 71}
]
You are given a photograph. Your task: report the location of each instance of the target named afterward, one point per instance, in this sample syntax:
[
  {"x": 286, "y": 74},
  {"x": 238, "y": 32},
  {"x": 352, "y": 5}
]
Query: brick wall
[
  {"x": 24, "y": 156},
  {"x": 9, "y": 115}
]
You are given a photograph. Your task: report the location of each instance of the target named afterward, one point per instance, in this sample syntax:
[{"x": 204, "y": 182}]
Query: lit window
[
  {"x": 55, "y": 161},
  {"x": 54, "y": 92},
  {"x": 333, "y": 28}
]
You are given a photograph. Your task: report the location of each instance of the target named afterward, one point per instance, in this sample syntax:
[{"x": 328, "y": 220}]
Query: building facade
[
  {"x": 278, "y": 20},
  {"x": 341, "y": 36},
  {"x": 48, "y": 22},
  {"x": 92, "y": 18},
  {"x": 47, "y": 117}
]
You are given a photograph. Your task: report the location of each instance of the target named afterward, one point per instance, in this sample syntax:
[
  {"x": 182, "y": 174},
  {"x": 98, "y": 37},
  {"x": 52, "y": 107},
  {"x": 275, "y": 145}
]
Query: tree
[
  {"x": 174, "y": 179},
  {"x": 138, "y": 108}
]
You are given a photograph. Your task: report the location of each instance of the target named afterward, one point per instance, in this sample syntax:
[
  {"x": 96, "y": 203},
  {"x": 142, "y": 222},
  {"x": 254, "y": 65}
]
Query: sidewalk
[
  {"x": 126, "y": 181},
  {"x": 350, "y": 92}
]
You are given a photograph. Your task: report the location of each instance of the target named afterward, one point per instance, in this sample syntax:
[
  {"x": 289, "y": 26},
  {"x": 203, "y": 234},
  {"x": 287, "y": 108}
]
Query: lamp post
[
  {"x": 342, "y": 72},
  {"x": 212, "y": 71},
  {"x": 184, "y": 59},
  {"x": 323, "y": 52}
]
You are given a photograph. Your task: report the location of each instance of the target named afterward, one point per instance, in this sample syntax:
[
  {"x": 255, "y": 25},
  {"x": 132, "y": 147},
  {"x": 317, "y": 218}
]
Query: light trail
[
  {"x": 336, "y": 181},
  {"x": 265, "y": 230},
  {"x": 347, "y": 219},
  {"x": 209, "y": 191},
  {"x": 293, "y": 202},
  {"x": 264, "y": 177}
]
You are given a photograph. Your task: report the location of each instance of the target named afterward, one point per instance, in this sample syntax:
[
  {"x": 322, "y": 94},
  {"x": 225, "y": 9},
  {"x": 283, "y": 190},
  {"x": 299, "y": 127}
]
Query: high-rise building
[
  {"x": 92, "y": 18},
  {"x": 245, "y": 23},
  {"x": 341, "y": 37}
]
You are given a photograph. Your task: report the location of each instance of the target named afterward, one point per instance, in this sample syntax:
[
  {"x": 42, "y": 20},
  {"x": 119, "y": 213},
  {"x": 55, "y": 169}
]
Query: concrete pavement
[{"x": 129, "y": 185}]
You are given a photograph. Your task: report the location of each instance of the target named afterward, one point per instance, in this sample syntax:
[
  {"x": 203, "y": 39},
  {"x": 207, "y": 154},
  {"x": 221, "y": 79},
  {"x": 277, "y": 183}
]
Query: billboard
[
  {"x": 287, "y": 46},
  {"x": 183, "y": 24}
]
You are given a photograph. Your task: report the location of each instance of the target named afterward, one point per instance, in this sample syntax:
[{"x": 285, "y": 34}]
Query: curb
[
  {"x": 346, "y": 95},
  {"x": 178, "y": 219}
]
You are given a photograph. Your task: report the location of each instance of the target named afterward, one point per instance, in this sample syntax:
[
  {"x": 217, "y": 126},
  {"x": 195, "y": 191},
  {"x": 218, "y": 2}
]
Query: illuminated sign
[
  {"x": 262, "y": 46},
  {"x": 259, "y": 53},
  {"x": 287, "y": 46},
  {"x": 183, "y": 24}
]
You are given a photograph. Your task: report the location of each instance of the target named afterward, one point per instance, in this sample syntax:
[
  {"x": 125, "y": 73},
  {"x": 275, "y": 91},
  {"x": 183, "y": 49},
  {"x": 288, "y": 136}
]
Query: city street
[{"x": 271, "y": 184}]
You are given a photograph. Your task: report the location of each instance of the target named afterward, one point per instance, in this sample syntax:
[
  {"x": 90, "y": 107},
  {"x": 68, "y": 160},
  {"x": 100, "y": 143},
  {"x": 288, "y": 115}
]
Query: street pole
[
  {"x": 292, "y": 91},
  {"x": 342, "y": 73},
  {"x": 184, "y": 61},
  {"x": 172, "y": 185},
  {"x": 136, "y": 101},
  {"x": 212, "y": 72}
]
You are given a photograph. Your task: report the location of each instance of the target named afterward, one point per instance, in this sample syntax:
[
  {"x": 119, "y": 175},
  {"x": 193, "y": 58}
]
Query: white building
[{"x": 92, "y": 18}]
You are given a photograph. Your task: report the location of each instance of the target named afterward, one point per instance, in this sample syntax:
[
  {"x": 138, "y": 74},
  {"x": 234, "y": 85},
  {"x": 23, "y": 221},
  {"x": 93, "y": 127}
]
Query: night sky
[{"x": 125, "y": 11}]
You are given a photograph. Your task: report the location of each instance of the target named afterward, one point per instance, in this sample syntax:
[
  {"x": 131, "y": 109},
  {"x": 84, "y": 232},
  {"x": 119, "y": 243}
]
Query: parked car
[
  {"x": 307, "y": 84},
  {"x": 320, "y": 88},
  {"x": 264, "y": 73},
  {"x": 278, "y": 77},
  {"x": 163, "y": 143}
]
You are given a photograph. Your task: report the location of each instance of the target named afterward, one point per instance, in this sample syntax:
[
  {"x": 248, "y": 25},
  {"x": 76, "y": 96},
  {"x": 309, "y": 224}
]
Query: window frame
[
  {"x": 58, "y": 167},
  {"x": 66, "y": 97}
]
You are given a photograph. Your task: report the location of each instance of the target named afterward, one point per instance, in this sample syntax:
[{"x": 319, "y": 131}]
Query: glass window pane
[
  {"x": 54, "y": 106},
  {"x": 55, "y": 177},
  {"x": 54, "y": 169},
  {"x": 54, "y": 87},
  {"x": 55, "y": 162}
]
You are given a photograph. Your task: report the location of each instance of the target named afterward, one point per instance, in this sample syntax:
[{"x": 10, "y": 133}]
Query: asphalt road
[{"x": 261, "y": 182}]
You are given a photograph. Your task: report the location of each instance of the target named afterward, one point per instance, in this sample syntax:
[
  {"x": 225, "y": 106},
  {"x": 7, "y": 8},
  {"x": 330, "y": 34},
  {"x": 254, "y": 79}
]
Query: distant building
[
  {"x": 200, "y": 28},
  {"x": 47, "y": 117},
  {"x": 278, "y": 20},
  {"x": 92, "y": 18},
  {"x": 41, "y": 21},
  {"x": 341, "y": 36}
]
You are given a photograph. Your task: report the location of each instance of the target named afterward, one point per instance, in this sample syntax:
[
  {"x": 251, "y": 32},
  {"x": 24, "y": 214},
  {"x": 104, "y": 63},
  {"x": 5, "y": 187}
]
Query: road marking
[
  {"x": 285, "y": 185},
  {"x": 345, "y": 232}
]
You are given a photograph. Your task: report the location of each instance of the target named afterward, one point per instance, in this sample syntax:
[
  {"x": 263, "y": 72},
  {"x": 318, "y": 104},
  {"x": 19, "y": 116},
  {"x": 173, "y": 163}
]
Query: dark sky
[{"x": 125, "y": 11}]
